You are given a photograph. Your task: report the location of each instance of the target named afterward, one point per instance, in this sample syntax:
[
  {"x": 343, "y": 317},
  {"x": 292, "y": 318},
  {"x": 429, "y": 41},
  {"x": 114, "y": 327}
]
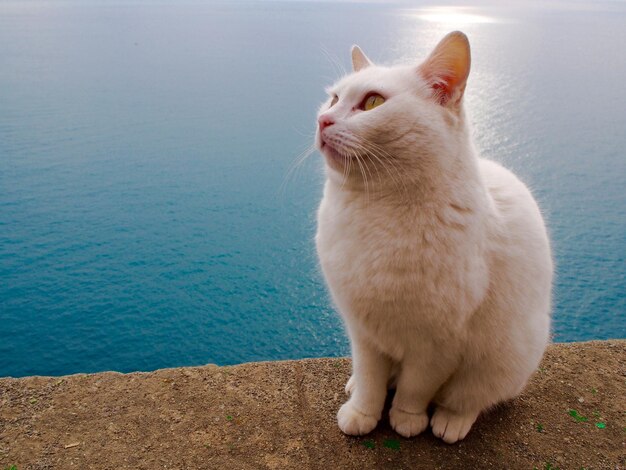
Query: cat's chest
[
  {"x": 378, "y": 244},
  {"x": 378, "y": 257}
]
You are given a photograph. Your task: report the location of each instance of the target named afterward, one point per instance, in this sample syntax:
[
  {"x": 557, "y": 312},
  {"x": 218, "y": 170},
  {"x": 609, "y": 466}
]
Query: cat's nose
[{"x": 325, "y": 121}]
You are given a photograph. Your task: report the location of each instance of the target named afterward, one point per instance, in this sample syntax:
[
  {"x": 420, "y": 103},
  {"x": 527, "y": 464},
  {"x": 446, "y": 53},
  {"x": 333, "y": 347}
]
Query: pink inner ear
[
  {"x": 446, "y": 86},
  {"x": 441, "y": 84},
  {"x": 442, "y": 91}
]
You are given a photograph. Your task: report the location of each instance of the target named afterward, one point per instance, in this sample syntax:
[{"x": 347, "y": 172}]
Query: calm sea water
[{"x": 145, "y": 217}]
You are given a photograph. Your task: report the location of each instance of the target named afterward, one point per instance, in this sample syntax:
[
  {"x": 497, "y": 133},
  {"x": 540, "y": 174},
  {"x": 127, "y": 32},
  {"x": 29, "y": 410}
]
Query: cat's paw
[
  {"x": 354, "y": 423},
  {"x": 350, "y": 385},
  {"x": 450, "y": 426},
  {"x": 407, "y": 424}
]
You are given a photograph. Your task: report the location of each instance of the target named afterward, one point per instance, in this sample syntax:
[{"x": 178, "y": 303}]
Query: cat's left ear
[
  {"x": 359, "y": 59},
  {"x": 446, "y": 69}
]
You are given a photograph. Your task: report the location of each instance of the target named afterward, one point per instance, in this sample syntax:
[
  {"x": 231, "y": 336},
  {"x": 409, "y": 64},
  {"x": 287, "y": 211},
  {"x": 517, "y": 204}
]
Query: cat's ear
[
  {"x": 446, "y": 69},
  {"x": 359, "y": 59}
]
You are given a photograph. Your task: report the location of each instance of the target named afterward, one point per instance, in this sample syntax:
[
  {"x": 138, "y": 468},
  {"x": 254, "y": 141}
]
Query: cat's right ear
[
  {"x": 446, "y": 69},
  {"x": 359, "y": 59}
]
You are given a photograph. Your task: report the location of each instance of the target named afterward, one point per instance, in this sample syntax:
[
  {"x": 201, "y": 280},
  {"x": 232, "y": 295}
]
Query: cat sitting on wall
[{"x": 438, "y": 260}]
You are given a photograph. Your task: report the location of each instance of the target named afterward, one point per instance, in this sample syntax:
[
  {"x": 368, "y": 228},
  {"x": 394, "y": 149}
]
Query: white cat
[{"x": 438, "y": 261}]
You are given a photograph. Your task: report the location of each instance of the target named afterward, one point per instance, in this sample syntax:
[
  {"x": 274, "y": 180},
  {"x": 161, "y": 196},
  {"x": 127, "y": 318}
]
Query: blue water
[{"x": 146, "y": 220}]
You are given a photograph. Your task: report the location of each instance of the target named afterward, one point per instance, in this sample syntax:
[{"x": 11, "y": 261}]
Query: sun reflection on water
[{"x": 451, "y": 16}]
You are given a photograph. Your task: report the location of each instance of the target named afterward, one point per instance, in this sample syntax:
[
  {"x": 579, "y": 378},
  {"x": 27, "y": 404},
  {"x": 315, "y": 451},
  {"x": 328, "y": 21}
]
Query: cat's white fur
[{"x": 437, "y": 260}]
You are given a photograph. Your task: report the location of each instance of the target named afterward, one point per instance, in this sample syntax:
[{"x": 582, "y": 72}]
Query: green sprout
[
  {"x": 391, "y": 444},
  {"x": 539, "y": 427},
  {"x": 229, "y": 417},
  {"x": 579, "y": 418},
  {"x": 369, "y": 444},
  {"x": 600, "y": 425}
]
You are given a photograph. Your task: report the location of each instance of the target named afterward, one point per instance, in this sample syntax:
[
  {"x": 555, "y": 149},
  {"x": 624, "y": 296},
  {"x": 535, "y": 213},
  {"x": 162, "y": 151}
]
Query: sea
[{"x": 153, "y": 212}]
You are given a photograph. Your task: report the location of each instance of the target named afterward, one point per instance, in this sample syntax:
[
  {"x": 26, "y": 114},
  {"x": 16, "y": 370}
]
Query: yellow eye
[
  {"x": 372, "y": 101},
  {"x": 334, "y": 101}
]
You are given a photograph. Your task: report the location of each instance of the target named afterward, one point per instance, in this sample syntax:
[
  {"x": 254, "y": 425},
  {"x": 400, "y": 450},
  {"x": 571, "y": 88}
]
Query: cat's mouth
[{"x": 333, "y": 156}]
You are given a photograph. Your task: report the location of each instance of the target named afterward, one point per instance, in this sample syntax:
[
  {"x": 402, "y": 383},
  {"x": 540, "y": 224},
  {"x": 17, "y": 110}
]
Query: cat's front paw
[
  {"x": 407, "y": 424},
  {"x": 353, "y": 422},
  {"x": 451, "y": 426},
  {"x": 350, "y": 385}
]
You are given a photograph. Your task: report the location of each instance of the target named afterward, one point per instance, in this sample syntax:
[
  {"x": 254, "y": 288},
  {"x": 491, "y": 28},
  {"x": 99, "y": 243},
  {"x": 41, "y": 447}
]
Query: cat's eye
[
  {"x": 372, "y": 101},
  {"x": 334, "y": 101}
]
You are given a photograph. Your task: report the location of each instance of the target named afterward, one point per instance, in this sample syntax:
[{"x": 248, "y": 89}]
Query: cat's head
[{"x": 393, "y": 120}]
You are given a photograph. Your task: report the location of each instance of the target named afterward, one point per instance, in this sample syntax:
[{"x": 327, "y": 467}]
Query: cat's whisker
[
  {"x": 294, "y": 166},
  {"x": 304, "y": 133},
  {"x": 367, "y": 193},
  {"x": 387, "y": 164},
  {"x": 334, "y": 60},
  {"x": 355, "y": 148},
  {"x": 353, "y": 140},
  {"x": 347, "y": 168},
  {"x": 387, "y": 161},
  {"x": 383, "y": 157},
  {"x": 346, "y": 172},
  {"x": 368, "y": 186},
  {"x": 372, "y": 153},
  {"x": 366, "y": 172}
]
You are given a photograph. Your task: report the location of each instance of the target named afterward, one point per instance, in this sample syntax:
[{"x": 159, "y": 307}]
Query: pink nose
[{"x": 325, "y": 121}]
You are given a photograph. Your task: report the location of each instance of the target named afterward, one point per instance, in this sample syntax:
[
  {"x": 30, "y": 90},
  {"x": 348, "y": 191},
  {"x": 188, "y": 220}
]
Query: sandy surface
[{"x": 282, "y": 415}]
